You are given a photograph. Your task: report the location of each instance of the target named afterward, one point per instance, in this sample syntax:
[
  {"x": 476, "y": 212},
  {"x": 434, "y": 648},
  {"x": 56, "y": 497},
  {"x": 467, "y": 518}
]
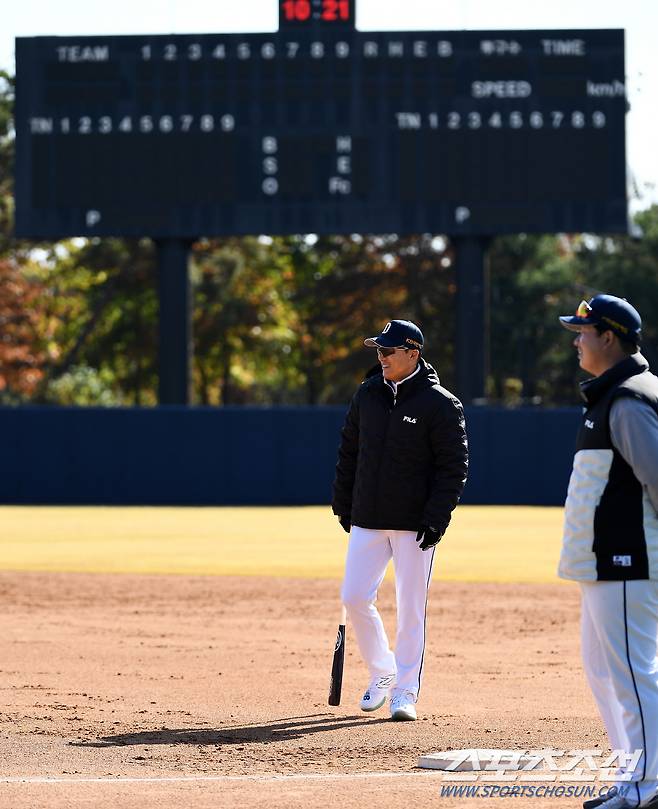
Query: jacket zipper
[{"x": 388, "y": 427}]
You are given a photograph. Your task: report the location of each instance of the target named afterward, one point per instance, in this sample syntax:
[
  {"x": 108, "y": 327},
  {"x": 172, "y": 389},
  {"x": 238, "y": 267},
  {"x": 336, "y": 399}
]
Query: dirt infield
[{"x": 172, "y": 691}]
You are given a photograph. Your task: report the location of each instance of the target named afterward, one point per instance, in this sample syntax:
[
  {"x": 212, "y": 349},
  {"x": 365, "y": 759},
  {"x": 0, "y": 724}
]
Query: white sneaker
[
  {"x": 403, "y": 706},
  {"x": 376, "y": 693}
]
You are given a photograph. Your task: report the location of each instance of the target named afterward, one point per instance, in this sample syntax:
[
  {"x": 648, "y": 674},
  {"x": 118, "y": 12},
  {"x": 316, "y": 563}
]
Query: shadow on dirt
[{"x": 281, "y": 730}]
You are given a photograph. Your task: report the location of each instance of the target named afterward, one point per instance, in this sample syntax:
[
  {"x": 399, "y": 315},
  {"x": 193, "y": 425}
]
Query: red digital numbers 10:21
[{"x": 332, "y": 10}]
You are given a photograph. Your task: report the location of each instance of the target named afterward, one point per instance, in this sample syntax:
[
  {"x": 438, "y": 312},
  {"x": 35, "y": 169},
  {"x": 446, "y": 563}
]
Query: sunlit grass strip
[{"x": 483, "y": 543}]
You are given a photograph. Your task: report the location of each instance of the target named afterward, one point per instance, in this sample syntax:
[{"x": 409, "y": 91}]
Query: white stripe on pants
[
  {"x": 368, "y": 554},
  {"x": 619, "y": 629}
]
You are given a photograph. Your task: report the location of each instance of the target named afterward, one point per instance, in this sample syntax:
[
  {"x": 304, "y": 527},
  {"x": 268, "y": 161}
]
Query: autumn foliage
[{"x": 21, "y": 354}]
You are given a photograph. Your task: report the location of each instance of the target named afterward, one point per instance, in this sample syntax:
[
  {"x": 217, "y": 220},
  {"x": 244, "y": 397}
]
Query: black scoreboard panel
[{"x": 322, "y": 130}]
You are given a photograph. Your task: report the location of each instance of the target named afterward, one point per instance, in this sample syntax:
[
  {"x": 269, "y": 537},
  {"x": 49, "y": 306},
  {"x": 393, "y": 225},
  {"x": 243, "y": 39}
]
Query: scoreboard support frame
[
  {"x": 472, "y": 328},
  {"x": 175, "y": 322}
]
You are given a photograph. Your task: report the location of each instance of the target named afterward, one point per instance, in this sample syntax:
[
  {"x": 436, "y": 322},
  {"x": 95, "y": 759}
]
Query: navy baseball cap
[
  {"x": 607, "y": 312},
  {"x": 398, "y": 334}
]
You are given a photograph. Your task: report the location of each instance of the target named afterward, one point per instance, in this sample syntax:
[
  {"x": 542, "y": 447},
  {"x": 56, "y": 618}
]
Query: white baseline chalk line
[{"x": 40, "y": 779}]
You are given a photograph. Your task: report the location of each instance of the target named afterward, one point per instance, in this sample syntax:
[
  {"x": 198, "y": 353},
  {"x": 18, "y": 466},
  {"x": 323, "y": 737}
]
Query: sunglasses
[
  {"x": 386, "y": 352},
  {"x": 584, "y": 309}
]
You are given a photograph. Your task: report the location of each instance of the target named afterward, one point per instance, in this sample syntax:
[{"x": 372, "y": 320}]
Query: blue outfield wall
[{"x": 256, "y": 456}]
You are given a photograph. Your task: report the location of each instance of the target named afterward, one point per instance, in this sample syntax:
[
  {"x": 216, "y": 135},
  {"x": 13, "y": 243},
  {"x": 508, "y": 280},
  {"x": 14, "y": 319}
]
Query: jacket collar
[
  {"x": 593, "y": 389},
  {"x": 395, "y": 385},
  {"x": 423, "y": 376}
]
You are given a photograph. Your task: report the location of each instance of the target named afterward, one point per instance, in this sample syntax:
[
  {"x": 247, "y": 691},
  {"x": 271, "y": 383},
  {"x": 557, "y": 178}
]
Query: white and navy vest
[{"x": 610, "y": 525}]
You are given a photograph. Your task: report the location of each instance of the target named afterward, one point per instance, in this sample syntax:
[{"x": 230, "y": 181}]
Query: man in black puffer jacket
[{"x": 401, "y": 469}]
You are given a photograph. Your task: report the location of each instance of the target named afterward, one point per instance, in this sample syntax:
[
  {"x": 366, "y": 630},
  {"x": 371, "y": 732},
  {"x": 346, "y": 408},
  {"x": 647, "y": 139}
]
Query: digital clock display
[
  {"x": 320, "y": 128},
  {"x": 325, "y": 12}
]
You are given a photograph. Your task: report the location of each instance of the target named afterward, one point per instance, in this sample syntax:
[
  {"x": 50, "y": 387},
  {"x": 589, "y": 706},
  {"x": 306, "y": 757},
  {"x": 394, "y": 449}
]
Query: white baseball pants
[
  {"x": 619, "y": 636},
  {"x": 368, "y": 554}
]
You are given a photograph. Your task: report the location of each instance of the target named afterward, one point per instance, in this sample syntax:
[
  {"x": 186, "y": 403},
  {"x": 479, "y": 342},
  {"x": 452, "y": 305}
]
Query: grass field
[{"x": 484, "y": 543}]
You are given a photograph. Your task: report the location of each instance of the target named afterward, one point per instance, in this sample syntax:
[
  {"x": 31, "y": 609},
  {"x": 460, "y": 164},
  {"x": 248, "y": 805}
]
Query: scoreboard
[{"x": 321, "y": 128}]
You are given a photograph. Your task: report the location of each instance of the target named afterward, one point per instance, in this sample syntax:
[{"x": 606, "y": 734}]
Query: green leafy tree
[
  {"x": 100, "y": 307},
  {"x": 81, "y": 385},
  {"x": 242, "y": 328},
  {"x": 530, "y": 278},
  {"x": 536, "y": 279},
  {"x": 342, "y": 289}
]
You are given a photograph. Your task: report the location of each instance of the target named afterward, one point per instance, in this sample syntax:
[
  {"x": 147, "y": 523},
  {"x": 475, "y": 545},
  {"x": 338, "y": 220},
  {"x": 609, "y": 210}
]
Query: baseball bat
[{"x": 336, "y": 683}]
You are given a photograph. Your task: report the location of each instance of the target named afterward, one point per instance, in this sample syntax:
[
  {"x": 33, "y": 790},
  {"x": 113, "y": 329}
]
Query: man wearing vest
[{"x": 610, "y": 541}]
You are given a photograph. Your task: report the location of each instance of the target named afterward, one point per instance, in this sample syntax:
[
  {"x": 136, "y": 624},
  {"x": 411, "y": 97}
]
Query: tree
[
  {"x": 101, "y": 303},
  {"x": 22, "y": 353},
  {"x": 345, "y": 288},
  {"x": 535, "y": 279},
  {"x": 530, "y": 277},
  {"x": 242, "y": 328}
]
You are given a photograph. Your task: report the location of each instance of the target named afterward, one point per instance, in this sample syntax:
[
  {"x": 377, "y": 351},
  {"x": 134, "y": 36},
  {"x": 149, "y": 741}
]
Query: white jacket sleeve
[{"x": 634, "y": 433}]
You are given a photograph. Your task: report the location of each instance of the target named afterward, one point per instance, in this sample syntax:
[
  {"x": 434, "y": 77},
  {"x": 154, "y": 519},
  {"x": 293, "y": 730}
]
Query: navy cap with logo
[
  {"x": 398, "y": 334},
  {"x": 607, "y": 312}
]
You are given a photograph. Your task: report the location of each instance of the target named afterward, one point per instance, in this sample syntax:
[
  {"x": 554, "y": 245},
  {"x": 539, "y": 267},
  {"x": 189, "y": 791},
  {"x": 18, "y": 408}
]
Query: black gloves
[
  {"x": 346, "y": 523},
  {"x": 428, "y": 537}
]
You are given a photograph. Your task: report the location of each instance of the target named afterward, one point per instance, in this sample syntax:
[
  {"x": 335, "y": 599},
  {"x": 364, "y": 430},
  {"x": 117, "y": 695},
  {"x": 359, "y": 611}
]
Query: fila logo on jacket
[
  {"x": 610, "y": 525},
  {"x": 409, "y": 419}
]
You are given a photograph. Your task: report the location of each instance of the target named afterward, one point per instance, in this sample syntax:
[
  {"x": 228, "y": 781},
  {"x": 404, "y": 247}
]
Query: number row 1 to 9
[{"x": 145, "y": 124}]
